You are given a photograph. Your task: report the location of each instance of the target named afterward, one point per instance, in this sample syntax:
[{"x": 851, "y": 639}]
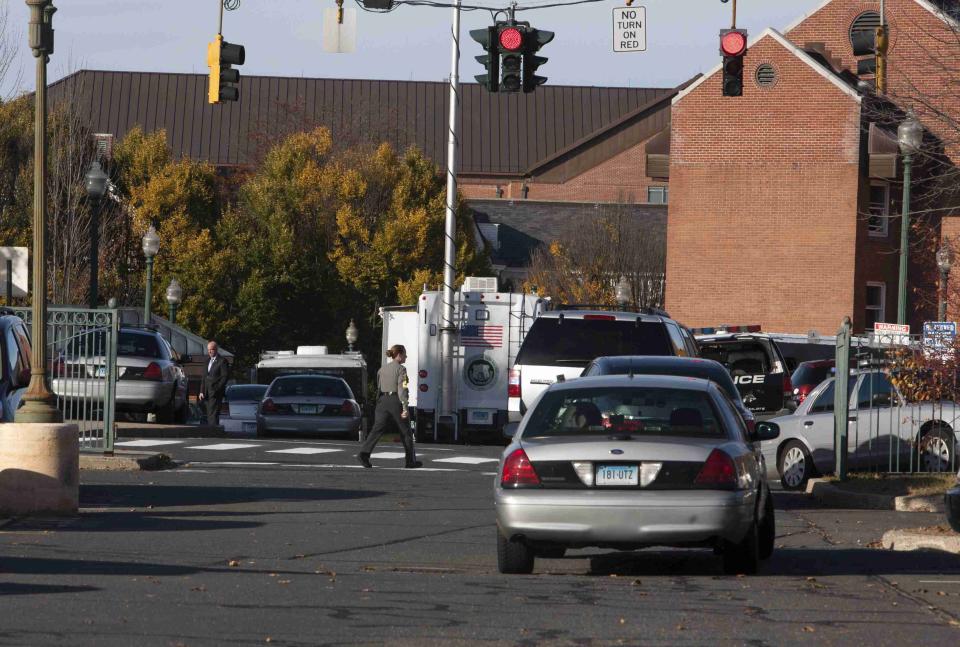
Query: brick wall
[
  {"x": 763, "y": 220},
  {"x": 620, "y": 178}
]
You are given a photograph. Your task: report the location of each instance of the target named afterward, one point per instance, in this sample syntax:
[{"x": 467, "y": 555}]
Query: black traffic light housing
[
  {"x": 534, "y": 40},
  {"x": 511, "y": 40},
  {"x": 733, "y": 47},
  {"x": 487, "y": 37},
  {"x": 221, "y": 57}
]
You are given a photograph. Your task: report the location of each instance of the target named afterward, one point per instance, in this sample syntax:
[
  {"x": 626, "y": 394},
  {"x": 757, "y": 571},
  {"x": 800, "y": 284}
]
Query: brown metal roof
[{"x": 499, "y": 133}]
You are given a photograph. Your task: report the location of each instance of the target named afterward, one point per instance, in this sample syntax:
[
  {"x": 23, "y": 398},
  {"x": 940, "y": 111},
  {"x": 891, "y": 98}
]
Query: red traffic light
[
  {"x": 733, "y": 43},
  {"x": 511, "y": 39}
]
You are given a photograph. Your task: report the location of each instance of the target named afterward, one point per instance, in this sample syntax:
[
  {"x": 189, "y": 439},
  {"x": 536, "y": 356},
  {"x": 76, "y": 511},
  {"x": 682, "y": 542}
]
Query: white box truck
[{"x": 490, "y": 326}]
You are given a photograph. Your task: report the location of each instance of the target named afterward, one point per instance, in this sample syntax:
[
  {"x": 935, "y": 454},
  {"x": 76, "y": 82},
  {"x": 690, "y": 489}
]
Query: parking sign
[{"x": 630, "y": 29}]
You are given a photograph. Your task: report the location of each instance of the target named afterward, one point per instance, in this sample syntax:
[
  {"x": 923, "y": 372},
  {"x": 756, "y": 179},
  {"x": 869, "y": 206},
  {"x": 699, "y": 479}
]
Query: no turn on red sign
[{"x": 630, "y": 29}]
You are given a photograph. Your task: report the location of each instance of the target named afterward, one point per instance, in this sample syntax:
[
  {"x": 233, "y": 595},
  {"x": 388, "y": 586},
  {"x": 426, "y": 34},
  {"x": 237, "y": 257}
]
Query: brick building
[{"x": 784, "y": 206}]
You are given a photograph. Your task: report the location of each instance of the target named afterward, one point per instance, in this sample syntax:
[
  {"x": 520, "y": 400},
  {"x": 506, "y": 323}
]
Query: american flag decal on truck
[{"x": 482, "y": 336}]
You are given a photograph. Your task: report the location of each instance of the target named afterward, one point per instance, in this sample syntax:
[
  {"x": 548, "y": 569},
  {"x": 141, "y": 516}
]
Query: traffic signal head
[
  {"x": 535, "y": 39},
  {"x": 510, "y": 41},
  {"x": 221, "y": 56},
  {"x": 733, "y": 47},
  {"x": 491, "y": 60}
]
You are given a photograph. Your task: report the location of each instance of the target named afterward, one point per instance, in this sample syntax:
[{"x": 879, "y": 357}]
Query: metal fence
[
  {"x": 82, "y": 370},
  {"x": 903, "y": 412}
]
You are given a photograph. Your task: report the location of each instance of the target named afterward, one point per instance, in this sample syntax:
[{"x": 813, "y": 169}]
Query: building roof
[
  {"x": 947, "y": 10},
  {"x": 500, "y": 133}
]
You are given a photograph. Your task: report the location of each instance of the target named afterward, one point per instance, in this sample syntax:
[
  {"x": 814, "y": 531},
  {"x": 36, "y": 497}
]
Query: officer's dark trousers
[{"x": 387, "y": 414}]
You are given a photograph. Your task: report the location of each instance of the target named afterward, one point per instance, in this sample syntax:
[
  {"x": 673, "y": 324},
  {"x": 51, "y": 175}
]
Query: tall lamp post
[
  {"x": 944, "y": 261},
  {"x": 151, "y": 245},
  {"x": 96, "y": 189},
  {"x": 909, "y": 136},
  {"x": 174, "y": 298},
  {"x": 39, "y": 403},
  {"x": 352, "y": 335},
  {"x": 623, "y": 293}
]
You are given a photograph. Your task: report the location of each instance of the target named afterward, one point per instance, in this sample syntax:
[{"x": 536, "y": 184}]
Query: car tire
[
  {"x": 937, "y": 446},
  {"x": 768, "y": 528},
  {"x": 553, "y": 552},
  {"x": 794, "y": 465},
  {"x": 513, "y": 557},
  {"x": 743, "y": 557}
]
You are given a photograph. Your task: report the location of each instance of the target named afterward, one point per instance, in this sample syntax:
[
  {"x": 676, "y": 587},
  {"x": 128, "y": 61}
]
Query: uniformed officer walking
[{"x": 391, "y": 407}]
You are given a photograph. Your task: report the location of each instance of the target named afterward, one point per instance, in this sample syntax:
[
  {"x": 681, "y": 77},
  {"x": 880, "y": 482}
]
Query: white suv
[{"x": 561, "y": 343}]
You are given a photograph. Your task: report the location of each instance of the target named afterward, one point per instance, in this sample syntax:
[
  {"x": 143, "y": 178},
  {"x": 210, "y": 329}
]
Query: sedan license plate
[
  {"x": 617, "y": 475},
  {"x": 101, "y": 371},
  {"x": 308, "y": 409}
]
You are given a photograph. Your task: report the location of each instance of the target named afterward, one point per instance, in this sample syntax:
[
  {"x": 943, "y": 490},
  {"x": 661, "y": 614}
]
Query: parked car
[
  {"x": 629, "y": 462},
  {"x": 808, "y": 375},
  {"x": 706, "y": 369},
  {"x": 15, "y": 353},
  {"x": 149, "y": 378},
  {"x": 309, "y": 404},
  {"x": 884, "y": 430},
  {"x": 561, "y": 343},
  {"x": 238, "y": 413},
  {"x": 758, "y": 368}
]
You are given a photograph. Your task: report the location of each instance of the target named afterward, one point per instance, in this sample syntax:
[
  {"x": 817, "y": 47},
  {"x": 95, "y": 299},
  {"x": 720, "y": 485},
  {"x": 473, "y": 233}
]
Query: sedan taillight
[
  {"x": 153, "y": 372},
  {"x": 718, "y": 472},
  {"x": 518, "y": 471},
  {"x": 347, "y": 409},
  {"x": 268, "y": 406}
]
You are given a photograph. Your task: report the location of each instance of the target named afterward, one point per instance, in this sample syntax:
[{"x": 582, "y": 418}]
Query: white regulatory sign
[{"x": 630, "y": 29}]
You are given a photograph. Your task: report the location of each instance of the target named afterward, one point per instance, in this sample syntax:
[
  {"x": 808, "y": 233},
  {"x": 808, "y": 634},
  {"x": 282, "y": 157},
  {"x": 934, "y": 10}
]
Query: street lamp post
[
  {"x": 174, "y": 298},
  {"x": 39, "y": 403},
  {"x": 623, "y": 292},
  {"x": 96, "y": 189},
  {"x": 151, "y": 245},
  {"x": 944, "y": 261},
  {"x": 909, "y": 136},
  {"x": 352, "y": 335}
]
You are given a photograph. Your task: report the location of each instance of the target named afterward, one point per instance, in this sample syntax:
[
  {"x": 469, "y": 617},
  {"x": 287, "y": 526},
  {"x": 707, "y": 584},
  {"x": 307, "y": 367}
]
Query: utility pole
[
  {"x": 882, "y": 41},
  {"x": 448, "y": 329}
]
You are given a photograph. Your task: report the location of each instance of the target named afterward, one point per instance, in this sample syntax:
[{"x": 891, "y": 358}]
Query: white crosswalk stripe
[
  {"x": 147, "y": 443},
  {"x": 391, "y": 455},
  {"x": 222, "y": 447},
  {"x": 303, "y": 450},
  {"x": 467, "y": 460}
]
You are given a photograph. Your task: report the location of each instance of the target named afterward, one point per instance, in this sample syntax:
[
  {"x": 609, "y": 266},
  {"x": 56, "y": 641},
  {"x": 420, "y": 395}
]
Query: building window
[
  {"x": 867, "y": 21},
  {"x": 876, "y": 309},
  {"x": 657, "y": 194},
  {"x": 878, "y": 223}
]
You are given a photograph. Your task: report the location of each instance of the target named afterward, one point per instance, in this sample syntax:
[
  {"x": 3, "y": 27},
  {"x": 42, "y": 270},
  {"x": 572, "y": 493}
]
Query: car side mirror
[
  {"x": 765, "y": 431},
  {"x": 510, "y": 429}
]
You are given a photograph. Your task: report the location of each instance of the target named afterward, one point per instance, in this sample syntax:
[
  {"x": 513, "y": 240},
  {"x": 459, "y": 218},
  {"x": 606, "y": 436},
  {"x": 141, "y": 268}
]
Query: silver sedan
[
  {"x": 629, "y": 462},
  {"x": 309, "y": 404}
]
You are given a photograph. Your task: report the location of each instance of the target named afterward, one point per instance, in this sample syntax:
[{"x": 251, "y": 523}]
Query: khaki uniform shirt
[{"x": 392, "y": 378}]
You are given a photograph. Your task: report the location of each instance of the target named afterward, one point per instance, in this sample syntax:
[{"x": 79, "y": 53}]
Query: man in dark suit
[{"x": 214, "y": 383}]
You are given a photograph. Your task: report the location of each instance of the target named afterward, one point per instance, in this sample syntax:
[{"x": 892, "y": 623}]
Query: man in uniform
[{"x": 393, "y": 384}]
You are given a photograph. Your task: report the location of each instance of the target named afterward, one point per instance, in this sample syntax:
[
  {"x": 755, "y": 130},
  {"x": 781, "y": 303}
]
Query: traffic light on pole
[
  {"x": 533, "y": 41},
  {"x": 487, "y": 37},
  {"x": 510, "y": 39},
  {"x": 221, "y": 57},
  {"x": 733, "y": 47}
]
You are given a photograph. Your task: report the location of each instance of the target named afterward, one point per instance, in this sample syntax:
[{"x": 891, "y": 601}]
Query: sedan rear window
[
  {"x": 246, "y": 392},
  {"x": 134, "y": 345},
  {"x": 311, "y": 386},
  {"x": 575, "y": 342},
  {"x": 635, "y": 410}
]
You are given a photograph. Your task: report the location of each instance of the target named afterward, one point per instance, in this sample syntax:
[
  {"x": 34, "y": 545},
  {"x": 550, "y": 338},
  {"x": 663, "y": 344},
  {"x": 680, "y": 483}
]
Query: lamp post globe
[
  {"x": 174, "y": 298},
  {"x": 623, "y": 292},
  {"x": 944, "y": 262},
  {"x": 944, "y": 258},
  {"x": 96, "y": 181},
  {"x": 910, "y": 135},
  {"x": 151, "y": 245},
  {"x": 352, "y": 334}
]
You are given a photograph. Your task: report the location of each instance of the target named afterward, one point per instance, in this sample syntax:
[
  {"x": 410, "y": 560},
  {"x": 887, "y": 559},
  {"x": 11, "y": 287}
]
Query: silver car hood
[{"x": 639, "y": 448}]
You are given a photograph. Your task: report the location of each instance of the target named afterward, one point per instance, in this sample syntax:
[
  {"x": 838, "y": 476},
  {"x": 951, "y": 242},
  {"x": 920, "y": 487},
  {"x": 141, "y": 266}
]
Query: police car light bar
[{"x": 724, "y": 329}]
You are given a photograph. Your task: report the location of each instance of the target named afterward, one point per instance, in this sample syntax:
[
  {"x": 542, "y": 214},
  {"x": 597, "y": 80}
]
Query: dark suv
[{"x": 15, "y": 351}]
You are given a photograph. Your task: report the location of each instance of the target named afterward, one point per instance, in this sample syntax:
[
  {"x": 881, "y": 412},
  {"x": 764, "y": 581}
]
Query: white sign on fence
[
  {"x": 891, "y": 333},
  {"x": 19, "y": 258},
  {"x": 630, "y": 29}
]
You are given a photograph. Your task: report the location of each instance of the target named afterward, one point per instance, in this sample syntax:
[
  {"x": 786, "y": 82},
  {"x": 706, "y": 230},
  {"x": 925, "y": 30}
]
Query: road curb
[
  {"x": 139, "y": 430},
  {"x": 828, "y": 494},
  {"x": 912, "y": 540},
  {"x": 125, "y": 462}
]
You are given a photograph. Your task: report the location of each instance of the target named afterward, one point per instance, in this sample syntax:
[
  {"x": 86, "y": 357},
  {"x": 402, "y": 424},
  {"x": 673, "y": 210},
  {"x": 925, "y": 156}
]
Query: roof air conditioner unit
[
  {"x": 479, "y": 284},
  {"x": 311, "y": 350}
]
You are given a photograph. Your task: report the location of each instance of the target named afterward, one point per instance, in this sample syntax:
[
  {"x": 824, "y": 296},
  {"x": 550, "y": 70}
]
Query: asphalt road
[{"x": 264, "y": 545}]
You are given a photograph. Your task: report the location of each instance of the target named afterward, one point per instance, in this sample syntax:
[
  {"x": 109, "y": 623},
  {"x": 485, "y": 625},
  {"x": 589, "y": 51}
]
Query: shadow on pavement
[
  {"x": 786, "y": 561},
  {"x": 127, "y": 496},
  {"x": 173, "y": 521},
  {"x": 14, "y": 588}
]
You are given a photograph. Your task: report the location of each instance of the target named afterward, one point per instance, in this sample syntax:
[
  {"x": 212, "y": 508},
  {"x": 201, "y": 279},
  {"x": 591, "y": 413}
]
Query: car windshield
[
  {"x": 312, "y": 386},
  {"x": 246, "y": 392},
  {"x": 699, "y": 369},
  {"x": 575, "y": 342},
  {"x": 811, "y": 373},
  {"x": 636, "y": 410}
]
